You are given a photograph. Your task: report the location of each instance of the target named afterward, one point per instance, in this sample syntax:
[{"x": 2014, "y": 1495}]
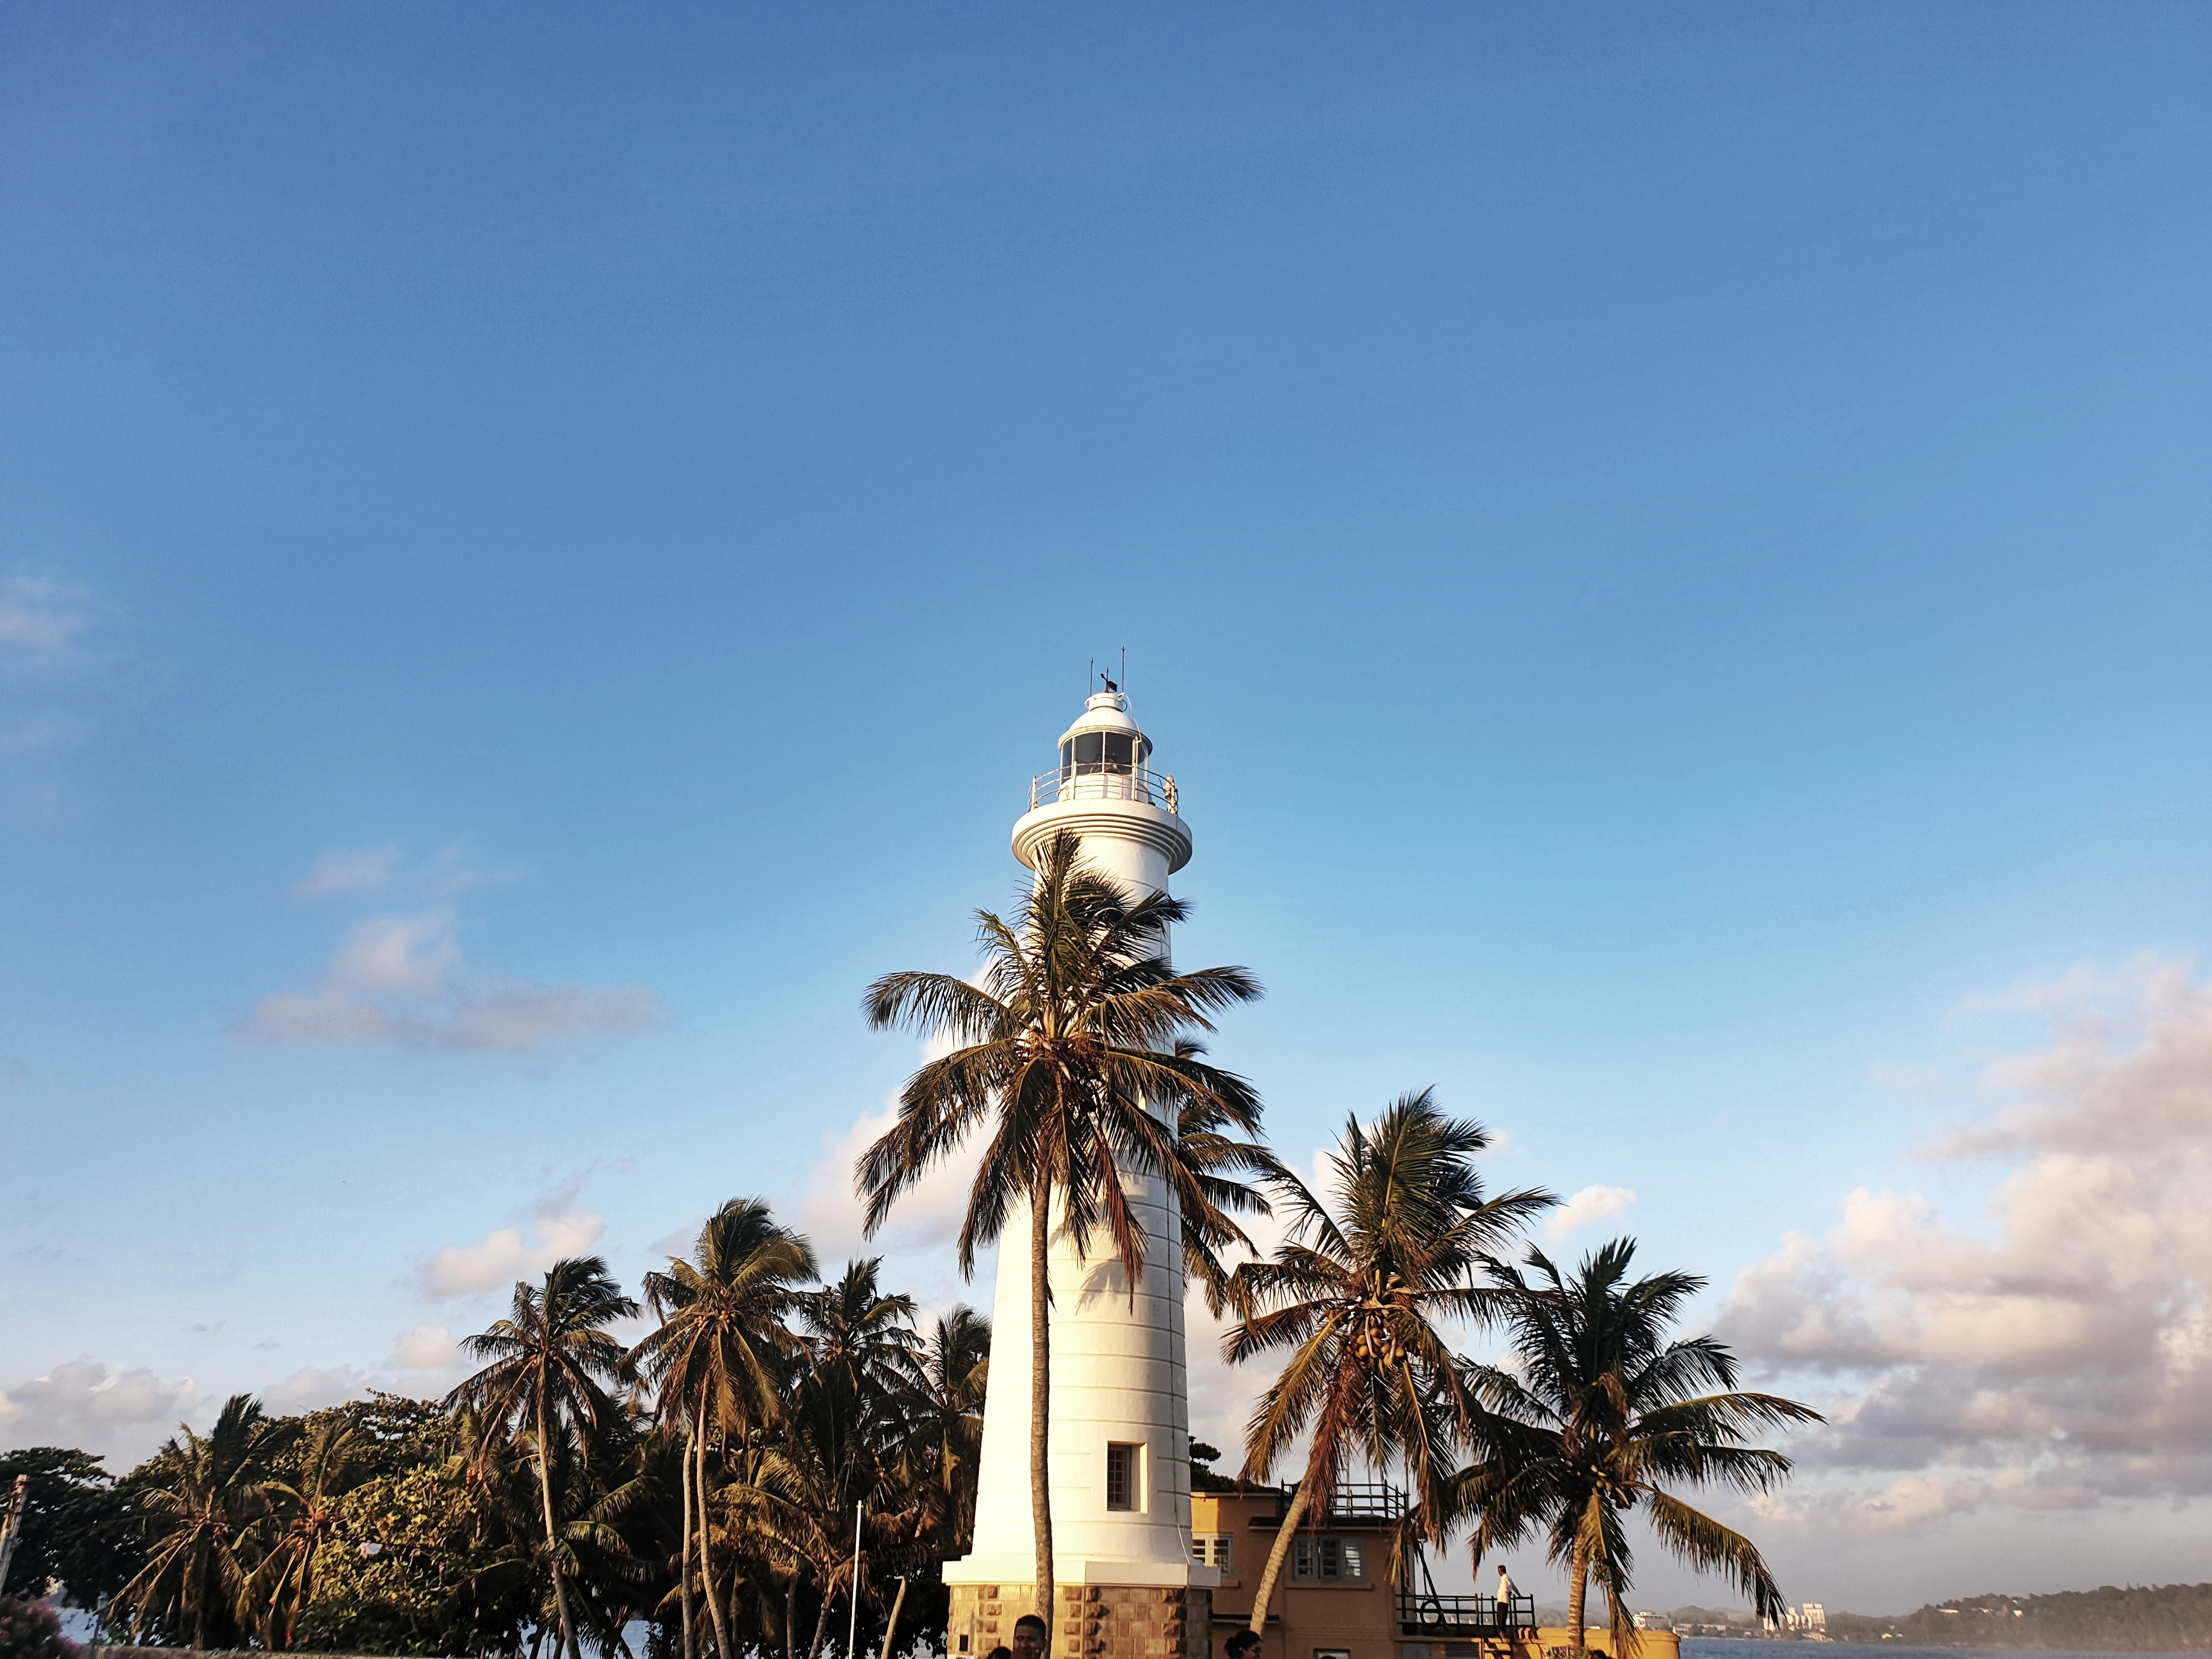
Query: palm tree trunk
[
  {"x": 706, "y": 1532},
  {"x": 1041, "y": 1398},
  {"x": 691, "y": 1640},
  {"x": 552, "y": 1544},
  {"x": 822, "y": 1626},
  {"x": 1577, "y": 1587},
  {"x": 791, "y": 1617},
  {"x": 1291, "y": 1518}
]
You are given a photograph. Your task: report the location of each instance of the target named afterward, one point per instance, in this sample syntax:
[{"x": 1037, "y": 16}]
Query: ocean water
[{"x": 1728, "y": 1647}]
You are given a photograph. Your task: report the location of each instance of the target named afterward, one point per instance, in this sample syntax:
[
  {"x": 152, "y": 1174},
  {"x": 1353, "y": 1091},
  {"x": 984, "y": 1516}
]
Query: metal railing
[
  {"x": 1365, "y": 1500},
  {"x": 1371, "y": 1503},
  {"x": 1428, "y": 1614},
  {"x": 1103, "y": 781}
]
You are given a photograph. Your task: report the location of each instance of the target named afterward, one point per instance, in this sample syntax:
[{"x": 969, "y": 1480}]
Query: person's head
[
  {"x": 1501, "y": 1569},
  {"x": 1029, "y": 1637},
  {"x": 1245, "y": 1645},
  {"x": 1002, "y": 1651}
]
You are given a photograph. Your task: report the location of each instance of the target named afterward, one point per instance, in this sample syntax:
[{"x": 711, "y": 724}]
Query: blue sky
[{"x": 1667, "y": 550}]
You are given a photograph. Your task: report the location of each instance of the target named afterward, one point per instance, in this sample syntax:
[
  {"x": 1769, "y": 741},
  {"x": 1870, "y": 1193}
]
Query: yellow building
[{"x": 1336, "y": 1598}]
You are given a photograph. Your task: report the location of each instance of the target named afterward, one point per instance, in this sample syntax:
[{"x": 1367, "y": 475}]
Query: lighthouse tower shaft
[{"x": 1119, "y": 1448}]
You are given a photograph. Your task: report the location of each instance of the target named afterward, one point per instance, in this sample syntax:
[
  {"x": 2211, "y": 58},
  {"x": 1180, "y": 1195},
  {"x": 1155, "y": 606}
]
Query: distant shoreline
[{"x": 2109, "y": 1620}]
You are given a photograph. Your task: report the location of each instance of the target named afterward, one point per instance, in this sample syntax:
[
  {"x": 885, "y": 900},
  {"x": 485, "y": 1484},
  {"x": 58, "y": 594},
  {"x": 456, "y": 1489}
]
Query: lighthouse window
[
  {"x": 1121, "y": 1477},
  {"x": 1088, "y": 753}
]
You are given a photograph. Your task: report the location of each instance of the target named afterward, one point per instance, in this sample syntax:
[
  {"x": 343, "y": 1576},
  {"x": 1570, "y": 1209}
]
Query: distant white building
[{"x": 1810, "y": 1619}]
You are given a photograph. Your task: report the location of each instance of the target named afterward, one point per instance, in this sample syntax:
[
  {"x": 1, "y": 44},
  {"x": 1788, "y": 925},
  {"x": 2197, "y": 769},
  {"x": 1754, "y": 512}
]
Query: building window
[
  {"x": 1124, "y": 1469},
  {"x": 1328, "y": 1559},
  {"x": 1215, "y": 1549},
  {"x": 1332, "y": 1653}
]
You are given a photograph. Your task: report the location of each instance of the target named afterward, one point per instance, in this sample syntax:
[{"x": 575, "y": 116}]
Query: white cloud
[
  {"x": 346, "y": 869},
  {"x": 49, "y": 688},
  {"x": 40, "y": 618},
  {"x": 518, "y": 1015},
  {"x": 456, "y": 869},
  {"x": 560, "y": 1228},
  {"x": 1585, "y": 1209},
  {"x": 424, "y": 1348},
  {"x": 396, "y": 980},
  {"x": 446, "y": 873},
  {"x": 2064, "y": 1353},
  {"x": 927, "y": 1218},
  {"x": 2084, "y": 986},
  {"x": 39, "y": 732},
  {"x": 289, "y": 1016},
  {"x": 398, "y": 954},
  {"x": 1922, "y": 1081},
  {"x": 124, "y": 1412},
  {"x": 1907, "y": 1504},
  {"x": 314, "y": 1387},
  {"x": 89, "y": 1403}
]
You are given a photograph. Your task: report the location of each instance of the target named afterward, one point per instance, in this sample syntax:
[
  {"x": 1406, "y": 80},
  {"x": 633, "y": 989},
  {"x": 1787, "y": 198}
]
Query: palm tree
[
  {"x": 1063, "y": 1049},
  {"x": 849, "y": 1421},
  {"x": 945, "y": 1423},
  {"x": 1356, "y": 1294},
  {"x": 306, "y": 1511},
  {"x": 212, "y": 1491},
  {"x": 719, "y": 1354},
  {"x": 767, "y": 1514},
  {"x": 547, "y": 1365},
  {"x": 861, "y": 1334},
  {"x": 607, "y": 1482},
  {"x": 1598, "y": 1412},
  {"x": 631, "y": 1530}
]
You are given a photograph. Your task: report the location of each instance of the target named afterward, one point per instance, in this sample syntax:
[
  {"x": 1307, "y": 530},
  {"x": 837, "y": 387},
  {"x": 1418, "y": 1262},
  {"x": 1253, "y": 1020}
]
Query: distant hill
[{"x": 2140, "y": 1618}]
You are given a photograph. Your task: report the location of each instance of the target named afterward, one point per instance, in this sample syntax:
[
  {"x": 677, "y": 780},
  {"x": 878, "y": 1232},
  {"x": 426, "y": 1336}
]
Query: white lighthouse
[{"x": 1119, "y": 1449}]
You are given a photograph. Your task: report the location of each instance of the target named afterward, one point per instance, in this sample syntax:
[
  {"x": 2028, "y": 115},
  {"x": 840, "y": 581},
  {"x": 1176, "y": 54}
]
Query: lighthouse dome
[{"x": 1103, "y": 711}]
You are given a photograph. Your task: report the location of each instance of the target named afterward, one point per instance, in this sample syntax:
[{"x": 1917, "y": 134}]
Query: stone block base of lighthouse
[{"x": 1095, "y": 1621}]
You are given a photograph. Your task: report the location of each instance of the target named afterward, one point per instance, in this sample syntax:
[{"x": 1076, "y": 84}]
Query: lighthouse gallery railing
[{"x": 1103, "y": 781}]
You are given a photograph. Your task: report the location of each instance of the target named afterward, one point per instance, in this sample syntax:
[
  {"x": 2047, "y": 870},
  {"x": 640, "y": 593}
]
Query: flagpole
[{"x": 853, "y": 1631}]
